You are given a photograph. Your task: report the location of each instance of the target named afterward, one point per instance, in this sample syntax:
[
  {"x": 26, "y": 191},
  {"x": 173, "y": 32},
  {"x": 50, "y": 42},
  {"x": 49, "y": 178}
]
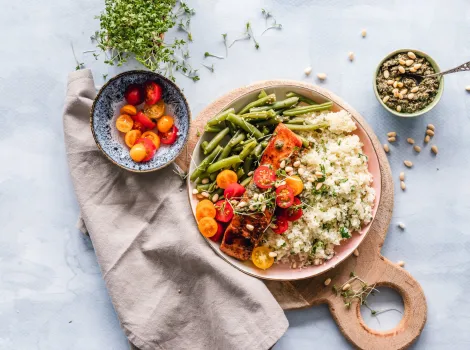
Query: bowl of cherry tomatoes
[{"x": 140, "y": 120}]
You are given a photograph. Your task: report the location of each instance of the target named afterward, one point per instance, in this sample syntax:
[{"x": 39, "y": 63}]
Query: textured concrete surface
[{"x": 51, "y": 292}]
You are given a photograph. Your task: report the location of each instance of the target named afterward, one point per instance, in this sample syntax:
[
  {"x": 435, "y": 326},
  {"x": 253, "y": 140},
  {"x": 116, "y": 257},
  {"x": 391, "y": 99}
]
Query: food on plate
[
  {"x": 145, "y": 126},
  {"x": 398, "y": 90},
  {"x": 208, "y": 226},
  {"x": 288, "y": 178}
]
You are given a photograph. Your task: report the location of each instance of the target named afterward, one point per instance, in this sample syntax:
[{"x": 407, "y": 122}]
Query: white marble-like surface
[{"x": 51, "y": 292}]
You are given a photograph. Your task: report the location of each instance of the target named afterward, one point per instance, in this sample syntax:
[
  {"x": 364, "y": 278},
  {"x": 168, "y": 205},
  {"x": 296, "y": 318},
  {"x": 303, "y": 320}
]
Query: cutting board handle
[{"x": 353, "y": 326}]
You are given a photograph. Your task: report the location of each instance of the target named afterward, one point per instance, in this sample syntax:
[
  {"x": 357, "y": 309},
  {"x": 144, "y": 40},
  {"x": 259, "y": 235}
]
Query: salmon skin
[{"x": 239, "y": 241}]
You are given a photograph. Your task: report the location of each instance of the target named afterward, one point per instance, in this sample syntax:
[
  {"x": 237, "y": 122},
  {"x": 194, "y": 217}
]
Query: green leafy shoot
[
  {"x": 250, "y": 31},
  {"x": 275, "y": 25},
  {"x": 208, "y": 54},
  {"x": 96, "y": 55},
  {"x": 80, "y": 65},
  {"x": 211, "y": 68},
  {"x": 225, "y": 43},
  {"x": 105, "y": 77},
  {"x": 184, "y": 26},
  {"x": 246, "y": 35},
  {"x": 266, "y": 15}
]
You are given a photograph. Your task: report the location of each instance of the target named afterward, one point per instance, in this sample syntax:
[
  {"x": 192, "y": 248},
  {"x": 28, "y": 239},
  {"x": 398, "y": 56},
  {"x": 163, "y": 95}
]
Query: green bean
[
  {"x": 233, "y": 128},
  {"x": 288, "y": 102},
  {"x": 236, "y": 139},
  {"x": 265, "y": 144},
  {"x": 213, "y": 176},
  {"x": 249, "y": 128},
  {"x": 259, "y": 115},
  {"x": 247, "y": 149},
  {"x": 260, "y": 102},
  {"x": 248, "y": 163},
  {"x": 246, "y": 182},
  {"x": 202, "y": 167},
  {"x": 273, "y": 121},
  {"x": 309, "y": 127},
  {"x": 219, "y": 118},
  {"x": 223, "y": 163},
  {"x": 265, "y": 130},
  {"x": 215, "y": 141},
  {"x": 308, "y": 109},
  {"x": 262, "y": 94},
  {"x": 209, "y": 128},
  {"x": 258, "y": 150},
  {"x": 297, "y": 120},
  {"x": 301, "y": 98},
  {"x": 204, "y": 145},
  {"x": 305, "y": 142},
  {"x": 210, "y": 187},
  {"x": 240, "y": 172}
]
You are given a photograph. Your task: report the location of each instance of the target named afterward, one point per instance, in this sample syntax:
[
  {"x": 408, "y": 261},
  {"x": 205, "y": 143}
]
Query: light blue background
[{"x": 51, "y": 292}]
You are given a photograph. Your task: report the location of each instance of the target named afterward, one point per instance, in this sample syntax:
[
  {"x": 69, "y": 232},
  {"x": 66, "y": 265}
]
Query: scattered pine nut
[
  {"x": 401, "y": 69},
  {"x": 321, "y": 76},
  {"x": 401, "y": 263},
  {"x": 387, "y": 74},
  {"x": 288, "y": 169},
  {"x": 215, "y": 197},
  {"x": 434, "y": 149},
  {"x": 346, "y": 287},
  {"x": 398, "y": 108},
  {"x": 386, "y": 98},
  {"x": 411, "y": 96},
  {"x": 351, "y": 56},
  {"x": 408, "y": 163},
  {"x": 195, "y": 191},
  {"x": 283, "y": 164},
  {"x": 386, "y": 149},
  {"x": 411, "y": 55},
  {"x": 319, "y": 186},
  {"x": 402, "y": 62},
  {"x": 400, "y": 84},
  {"x": 327, "y": 281},
  {"x": 410, "y": 141},
  {"x": 296, "y": 163},
  {"x": 199, "y": 196},
  {"x": 307, "y": 71},
  {"x": 403, "y": 185},
  {"x": 401, "y": 225},
  {"x": 415, "y": 89},
  {"x": 427, "y": 138},
  {"x": 467, "y": 88},
  {"x": 205, "y": 181},
  {"x": 389, "y": 82},
  {"x": 250, "y": 227},
  {"x": 272, "y": 254},
  {"x": 392, "y": 134},
  {"x": 364, "y": 33},
  {"x": 431, "y": 127},
  {"x": 429, "y": 132},
  {"x": 402, "y": 176},
  {"x": 417, "y": 148},
  {"x": 392, "y": 139},
  {"x": 356, "y": 252},
  {"x": 417, "y": 66},
  {"x": 205, "y": 194},
  {"x": 395, "y": 84},
  {"x": 409, "y": 62}
]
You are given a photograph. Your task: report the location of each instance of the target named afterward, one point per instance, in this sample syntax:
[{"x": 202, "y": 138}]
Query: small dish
[
  {"x": 425, "y": 109},
  {"x": 105, "y": 111}
]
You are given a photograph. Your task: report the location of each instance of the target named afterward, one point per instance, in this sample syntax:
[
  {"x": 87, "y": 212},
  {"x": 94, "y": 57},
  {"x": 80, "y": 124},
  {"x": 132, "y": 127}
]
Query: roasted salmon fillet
[{"x": 238, "y": 240}]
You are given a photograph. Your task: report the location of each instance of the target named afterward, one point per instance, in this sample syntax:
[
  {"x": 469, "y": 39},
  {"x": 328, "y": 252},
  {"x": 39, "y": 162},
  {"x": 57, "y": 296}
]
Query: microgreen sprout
[
  {"x": 96, "y": 55},
  {"x": 275, "y": 25},
  {"x": 211, "y": 68},
  {"x": 225, "y": 43},
  {"x": 266, "y": 15},
  {"x": 184, "y": 26},
  {"x": 80, "y": 65},
  {"x": 208, "y": 54},
  {"x": 246, "y": 35},
  {"x": 249, "y": 30},
  {"x": 105, "y": 76}
]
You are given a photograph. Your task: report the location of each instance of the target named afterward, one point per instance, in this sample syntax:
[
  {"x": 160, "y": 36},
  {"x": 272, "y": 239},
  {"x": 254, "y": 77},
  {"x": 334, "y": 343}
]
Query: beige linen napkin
[{"x": 169, "y": 289}]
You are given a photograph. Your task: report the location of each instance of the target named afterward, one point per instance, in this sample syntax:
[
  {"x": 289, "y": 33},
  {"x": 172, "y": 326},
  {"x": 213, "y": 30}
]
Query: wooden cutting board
[{"x": 370, "y": 265}]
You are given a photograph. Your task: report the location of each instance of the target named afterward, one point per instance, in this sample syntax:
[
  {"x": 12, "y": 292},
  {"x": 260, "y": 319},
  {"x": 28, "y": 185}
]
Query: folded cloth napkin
[{"x": 169, "y": 289}]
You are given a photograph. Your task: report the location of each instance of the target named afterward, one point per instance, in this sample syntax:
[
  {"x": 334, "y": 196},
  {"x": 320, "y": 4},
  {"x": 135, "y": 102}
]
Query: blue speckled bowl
[{"x": 106, "y": 108}]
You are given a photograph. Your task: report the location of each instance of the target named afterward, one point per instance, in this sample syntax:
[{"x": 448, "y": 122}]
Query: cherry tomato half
[
  {"x": 129, "y": 110},
  {"x": 261, "y": 258},
  {"x": 169, "y": 138},
  {"x": 144, "y": 120},
  {"x": 153, "y": 137},
  {"x": 131, "y": 137},
  {"x": 284, "y": 196},
  {"x": 155, "y": 111},
  {"x": 264, "y": 177},
  {"x": 165, "y": 123},
  {"x": 224, "y": 211},
  {"x": 138, "y": 152},
  {"x": 150, "y": 148},
  {"x": 153, "y": 93},
  {"x": 226, "y": 177},
  {"x": 281, "y": 225},
  {"x": 134, "y": 95},
  {"x": 219, "y": 234},
  {"x": 234, "y": 191},
  {"x": 293, "y": 213},
  {"x": 124, "y": 123}
]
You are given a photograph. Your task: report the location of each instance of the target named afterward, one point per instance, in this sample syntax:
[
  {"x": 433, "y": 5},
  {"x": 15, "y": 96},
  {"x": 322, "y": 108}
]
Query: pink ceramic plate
[{"x": 283, "y": 272}]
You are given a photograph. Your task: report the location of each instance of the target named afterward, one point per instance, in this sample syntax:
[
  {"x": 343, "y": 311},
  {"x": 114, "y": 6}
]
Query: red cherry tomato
[
  {"x": 169, "y": 138},
  {"x": 224, "y": 211},
  {"x": 153, "y": 93},
  {"x": 150, "y": 148},
  {"x": 144, "y": 120},
  {"x": 138, "y": 126},
  {"x": 219, "y": 234},
  {"x": 293, "y": 213},
  {"x": 133, "y": 95},
  {"x": 284, "y": 196},
  {"x": 264, "y": 177},
  {"x": 281, "y": 225},
  {"x": 234, "y": 191}
]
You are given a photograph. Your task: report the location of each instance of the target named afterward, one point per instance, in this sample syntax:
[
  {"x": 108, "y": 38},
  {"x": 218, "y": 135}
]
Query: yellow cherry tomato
[
  {"x": 295, "y": 183},
  {"x": 207, "y": 226},
  {"x": 152, "y": 137},
  {"x": 205, "y": 208},
  {"x": 165, "y": 123},
  {"x": 138, "y": 152},
  {"x": 124, "y": 123},
  {"x": 226, "y": 177},
  {"x": 261, "y": 258},
  {"x": 155, "y": 111},
  {"x": 131, "y": 137},
  {"x": 129, "y": 109}
]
